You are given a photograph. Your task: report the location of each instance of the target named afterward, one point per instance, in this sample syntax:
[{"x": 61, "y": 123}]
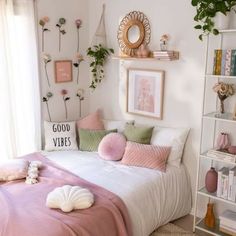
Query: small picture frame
[
  {"x": 145, "y": 90},
  {"x": 63, "y": 71}
]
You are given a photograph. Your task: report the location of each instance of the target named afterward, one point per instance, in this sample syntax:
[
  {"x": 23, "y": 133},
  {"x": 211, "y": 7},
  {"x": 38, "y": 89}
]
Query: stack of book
[
  {"x": 228, "y": 222},
  {"x": 225, "y": 62},
  {"x": 226, "y": 184},
  {"x": 166, "y": 55},
  {"x": 224, "y": 156}
]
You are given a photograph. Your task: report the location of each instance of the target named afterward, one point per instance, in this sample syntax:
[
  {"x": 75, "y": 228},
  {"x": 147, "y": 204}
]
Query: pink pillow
[
  {"x": 93, "y": 121},
  {"x": 149, "y": 156},
  {"x": 112, "y": 147},
  {"x": 13, "y": 169}
]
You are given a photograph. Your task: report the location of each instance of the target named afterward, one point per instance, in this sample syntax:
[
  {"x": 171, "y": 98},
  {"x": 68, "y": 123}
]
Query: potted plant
[
  {"x": 207, "y": 11},
  {"x": 99, "y": 55}
]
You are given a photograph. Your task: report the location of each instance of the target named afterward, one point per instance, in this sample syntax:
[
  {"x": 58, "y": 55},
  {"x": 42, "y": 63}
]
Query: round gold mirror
[{"x": 134, "y": 30}]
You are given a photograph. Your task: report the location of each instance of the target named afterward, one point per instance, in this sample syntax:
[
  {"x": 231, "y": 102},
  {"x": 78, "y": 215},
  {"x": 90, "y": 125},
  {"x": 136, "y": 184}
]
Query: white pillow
[
  {"x": 174, "y": 137},
  {"x": 116, "y": 124},
  {"x": 60, "y": 136}
]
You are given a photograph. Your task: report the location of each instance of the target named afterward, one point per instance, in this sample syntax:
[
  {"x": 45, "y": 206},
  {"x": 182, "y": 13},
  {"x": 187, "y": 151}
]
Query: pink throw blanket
[{"x": 23, "y": 211}]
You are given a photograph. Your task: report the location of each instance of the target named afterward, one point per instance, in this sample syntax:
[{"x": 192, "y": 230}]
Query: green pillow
[
  {"x": 90, "y": 139},
  {"x": 138, "y": 134}
]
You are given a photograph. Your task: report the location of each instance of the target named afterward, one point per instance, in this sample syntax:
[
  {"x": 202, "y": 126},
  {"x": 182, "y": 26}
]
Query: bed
[{"x": 152, "y": 198}]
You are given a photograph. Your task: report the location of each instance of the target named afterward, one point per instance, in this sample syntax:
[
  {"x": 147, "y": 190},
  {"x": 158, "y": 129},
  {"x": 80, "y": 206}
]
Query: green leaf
[
  {"x": 197, "y": 26},
  {"x": 76, "y": 64},
  {"x": 194, "y": 2},
  {"x": 215, "y": 31},
  {"x": 200, "y": 37}
]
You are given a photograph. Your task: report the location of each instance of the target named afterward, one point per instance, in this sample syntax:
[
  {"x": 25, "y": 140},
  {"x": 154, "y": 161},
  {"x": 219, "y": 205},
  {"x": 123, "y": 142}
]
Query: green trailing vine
[
  {"x": 99, "y": 55},
  {"x": 206, "y": 12}
]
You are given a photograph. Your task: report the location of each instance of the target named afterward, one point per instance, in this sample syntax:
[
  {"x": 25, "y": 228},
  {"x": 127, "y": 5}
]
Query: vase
[
  {"x": 211, "y": 180},
  {"x": 164, "y": 46},
  {"x": 210, "y": 217},
  {"x": 223, "y": 141},
  {"x": 222, "y": 21},
  {"x": 143, "y": 50}
]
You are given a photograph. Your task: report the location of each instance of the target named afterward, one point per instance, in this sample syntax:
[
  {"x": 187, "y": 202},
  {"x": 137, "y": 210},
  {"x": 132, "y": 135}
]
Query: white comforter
[{"x": 153, "y": 198}]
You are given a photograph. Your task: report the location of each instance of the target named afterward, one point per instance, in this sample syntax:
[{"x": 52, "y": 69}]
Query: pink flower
[
  {"x": 78, "y": 23},
  {"x": 164, "y": 38},
  {"x": 64, "y": 92},
  {"x": 45, "y": 19}
]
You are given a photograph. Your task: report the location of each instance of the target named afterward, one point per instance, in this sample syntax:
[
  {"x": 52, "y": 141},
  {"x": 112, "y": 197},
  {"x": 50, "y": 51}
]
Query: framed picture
[
  {"x": 145, "y": 92},
  {"x": 63, "y": 71}
]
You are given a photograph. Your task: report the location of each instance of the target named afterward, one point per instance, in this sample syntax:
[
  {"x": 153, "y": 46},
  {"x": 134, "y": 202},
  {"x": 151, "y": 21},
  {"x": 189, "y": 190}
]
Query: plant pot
[
  {"x": 222, "y": 21},
  {"x": 211, "y": 180}
]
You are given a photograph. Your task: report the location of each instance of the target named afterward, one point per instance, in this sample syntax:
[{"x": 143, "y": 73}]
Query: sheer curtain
[{"x": 20, "y": 115}]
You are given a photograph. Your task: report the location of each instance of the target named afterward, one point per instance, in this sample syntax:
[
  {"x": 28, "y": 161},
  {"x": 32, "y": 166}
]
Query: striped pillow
[{"x": 149, "y": 156}]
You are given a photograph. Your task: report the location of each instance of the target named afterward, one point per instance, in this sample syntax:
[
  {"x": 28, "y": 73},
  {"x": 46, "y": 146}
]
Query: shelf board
[
  {"x": 215, "y": 231},
  {"x": 220, "y": 76},
  {"x": 126, "y": 58},
  {"x": 205, "y": 193},
  {"x": 227, "y": 31},
  {"x": 227, "y": 117},
  {"x": 204, "y": 155}
]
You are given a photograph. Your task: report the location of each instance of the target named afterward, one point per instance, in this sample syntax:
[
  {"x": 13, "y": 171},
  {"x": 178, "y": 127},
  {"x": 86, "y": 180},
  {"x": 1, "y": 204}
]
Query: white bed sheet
[{"x": 153, "y": 198}]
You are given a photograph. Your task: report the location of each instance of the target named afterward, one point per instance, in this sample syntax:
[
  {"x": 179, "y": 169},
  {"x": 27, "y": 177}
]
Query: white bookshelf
[{"x": 215, "y": 119}]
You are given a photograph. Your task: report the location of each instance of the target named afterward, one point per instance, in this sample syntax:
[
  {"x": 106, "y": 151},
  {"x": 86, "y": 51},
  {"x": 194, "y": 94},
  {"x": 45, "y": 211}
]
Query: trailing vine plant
[{"x": 99, "y": 55}]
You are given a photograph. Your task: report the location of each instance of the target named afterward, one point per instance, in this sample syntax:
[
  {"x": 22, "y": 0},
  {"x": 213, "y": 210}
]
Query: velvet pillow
[
  {"x": 90, "y": 139},
  {"x": 149, "y": 156},
  {"x": 112, "y": 147},
  {"x": 13, "y": 169},
  {"x": 93, "y": 122},
  {"x": 138, "y": 134}
]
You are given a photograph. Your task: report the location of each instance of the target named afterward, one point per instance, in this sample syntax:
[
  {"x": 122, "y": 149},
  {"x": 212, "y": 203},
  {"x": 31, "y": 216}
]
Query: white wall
[
  {"x": 72, "y": 11},
  {"x": 183, "y": 80}
]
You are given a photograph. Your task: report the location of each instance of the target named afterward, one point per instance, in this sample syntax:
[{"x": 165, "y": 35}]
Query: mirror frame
[{"x": 134, "y": 18}]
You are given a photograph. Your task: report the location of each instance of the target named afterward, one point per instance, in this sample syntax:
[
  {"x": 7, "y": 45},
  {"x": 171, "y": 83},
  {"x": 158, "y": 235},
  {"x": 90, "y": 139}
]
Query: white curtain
[{"x": 20, "y": 116}]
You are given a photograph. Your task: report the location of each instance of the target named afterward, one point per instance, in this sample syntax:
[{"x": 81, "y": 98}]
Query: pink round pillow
[{"x": 112, "y": 147}]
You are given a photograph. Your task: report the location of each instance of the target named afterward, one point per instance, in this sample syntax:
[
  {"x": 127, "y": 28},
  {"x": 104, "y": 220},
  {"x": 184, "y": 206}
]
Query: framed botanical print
[
  {"x": 63, "y": 71},
  {"x": 145, "y": 92}
]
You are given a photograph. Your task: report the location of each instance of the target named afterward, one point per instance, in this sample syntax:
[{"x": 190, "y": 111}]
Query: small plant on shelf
[
  {"x": 206, "y": 12},
  {"x": 99, "y": 55}
]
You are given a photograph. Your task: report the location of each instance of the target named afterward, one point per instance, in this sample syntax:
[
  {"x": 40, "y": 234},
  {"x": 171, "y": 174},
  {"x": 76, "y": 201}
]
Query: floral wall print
[
  {"x": 46, "y": 59},
  {"x": 61, "y": 30},
  {"x": 43, "y": 21},
  {"x": 80, "y": 95},
  {"x": 79, "y": 59},
  {"x": 78, "y": 24},
  {"x": 46, "y": 99},
  {"x": 64, "y": 94}
]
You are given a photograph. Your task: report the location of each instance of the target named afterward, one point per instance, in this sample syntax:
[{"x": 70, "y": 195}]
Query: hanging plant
[
  {"x": 46, "y": 58},
  {"x": 46, "y": 99},
  {"x": 78, "y": 24},
  {"x": 206, "y": 12},
  {"x": 43, "y": 21},
  {"x": 80, "y": 95},
  {"x": 79, "y": 59},
  {"x": 99, "y": 55},
  {"x": 64, "y": 92},
  {"x": 61, "y": 30}
]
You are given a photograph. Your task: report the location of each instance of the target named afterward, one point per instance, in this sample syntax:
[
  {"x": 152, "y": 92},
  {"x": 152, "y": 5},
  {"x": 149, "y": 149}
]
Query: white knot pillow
[{"x": 69, "y": 198}]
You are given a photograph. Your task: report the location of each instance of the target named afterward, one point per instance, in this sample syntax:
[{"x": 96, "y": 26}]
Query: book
[
  {"x": 228, "y": 62},
  {"x": 214, "y": 63},
  {"x": 228, "y": 218},
  {"x": 220, "y": 182},
  {"x": 233, "y": 63},
  {"x": 223, "y": 62},
  {"x": 218, "y": 62},
  {"x": 225, "y": 181},
  {"x": 231, "y": 192},
  {"x": 214, "y": 153},
  {"x": 227, "y": 230}
]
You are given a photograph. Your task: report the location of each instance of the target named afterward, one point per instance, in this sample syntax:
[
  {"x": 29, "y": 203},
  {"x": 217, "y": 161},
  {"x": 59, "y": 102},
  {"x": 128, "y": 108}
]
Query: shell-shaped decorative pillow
[{"x": 68, "y": 198}]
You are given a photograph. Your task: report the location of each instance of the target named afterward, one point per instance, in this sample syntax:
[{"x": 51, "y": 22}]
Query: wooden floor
[{"x": 187, "y": 224}]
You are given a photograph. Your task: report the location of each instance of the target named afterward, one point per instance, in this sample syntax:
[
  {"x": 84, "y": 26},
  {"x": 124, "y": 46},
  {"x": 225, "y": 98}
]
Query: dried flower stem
[
  {"x": 65, "y": 106},
  {"x": 59, "y": 40},
  {"x": 48, "y": 111},
  {"x": 80, "y": 108},
  {"x": 46, "y": 72},
  {"x": 78, "y": 40}
]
